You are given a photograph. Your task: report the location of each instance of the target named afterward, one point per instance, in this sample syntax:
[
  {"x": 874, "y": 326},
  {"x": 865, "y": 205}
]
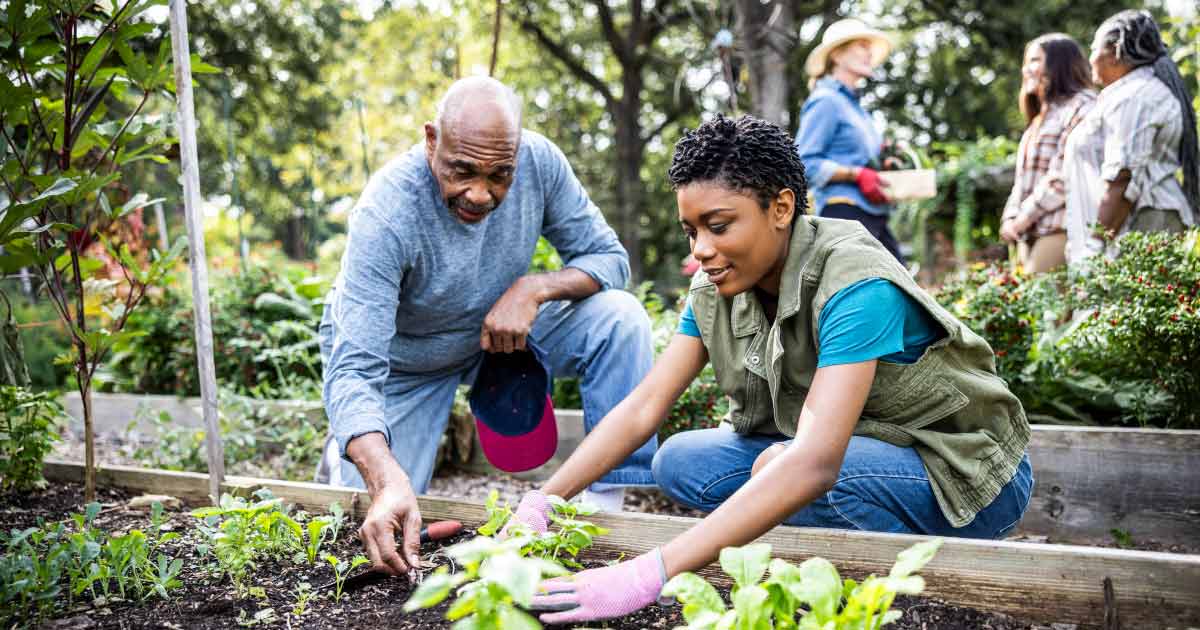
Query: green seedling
[
  {"x": 1122, "y": 537},
  {"x": 304, "y": 592},
  {"x": 341, "y": 569},
  {"x": 498, "y": 515},
  {"x": 496, "y": 582},
  {"x": 568, "y": 533},
  {"x": 774, "y": 602}
]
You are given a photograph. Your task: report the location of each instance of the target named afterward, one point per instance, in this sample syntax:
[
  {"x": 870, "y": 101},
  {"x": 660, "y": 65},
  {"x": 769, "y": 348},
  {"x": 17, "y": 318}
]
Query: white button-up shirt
[{"x": 1136, "y": 125}]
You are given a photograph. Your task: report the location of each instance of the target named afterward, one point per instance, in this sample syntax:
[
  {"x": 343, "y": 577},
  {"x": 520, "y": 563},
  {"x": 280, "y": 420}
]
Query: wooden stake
[
  {"x": 164, "y": 242},
  {"x": 197, "y": 260}
]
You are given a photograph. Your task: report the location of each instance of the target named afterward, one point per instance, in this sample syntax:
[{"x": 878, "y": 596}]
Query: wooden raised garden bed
[{"x": 1040, "y": 582}]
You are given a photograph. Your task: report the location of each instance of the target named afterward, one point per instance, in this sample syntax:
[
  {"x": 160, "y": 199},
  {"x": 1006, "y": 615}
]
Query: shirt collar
[
  {"x": 1133, "y": 76},
  {"x": 833, "y": 84}
]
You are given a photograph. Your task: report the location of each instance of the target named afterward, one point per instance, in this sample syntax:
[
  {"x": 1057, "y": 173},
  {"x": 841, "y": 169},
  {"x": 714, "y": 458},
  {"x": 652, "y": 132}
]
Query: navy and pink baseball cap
[{"x": 513, "y": 414}]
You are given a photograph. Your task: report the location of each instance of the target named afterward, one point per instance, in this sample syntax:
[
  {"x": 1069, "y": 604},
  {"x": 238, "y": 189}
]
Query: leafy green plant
[
  {"x": 264, "y": 321},
  {"x": 86, "y": 70},
  {"x": 495, "y": 583},
  {"x": 775, "y": 602},
  {"x": 1112, "y": 343},
  {"x": 342, "y": 568},
  {"x": 39, "y": 562},
  {"x": 239, "y": 533},
  {"x": 29, "y": 423},
  {"x": 567, "y": 536},
  {"x": 304, "y": 593}
]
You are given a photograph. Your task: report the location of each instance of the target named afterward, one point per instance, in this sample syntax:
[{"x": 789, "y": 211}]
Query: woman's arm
[
  {"x": 633, "y": 420},
  {"x": 799, "y": 475}
]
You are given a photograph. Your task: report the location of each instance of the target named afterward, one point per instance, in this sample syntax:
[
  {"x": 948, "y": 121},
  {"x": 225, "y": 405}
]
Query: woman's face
[
  {"x": 737, "y": 243},
  {"x": 1105, "y": 67},
  {"x": 1031, "y": 70},
  {"x": 854, "y": 57}
]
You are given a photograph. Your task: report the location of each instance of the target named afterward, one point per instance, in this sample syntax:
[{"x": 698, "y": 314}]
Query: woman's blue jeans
[{"x": 881, "y": 487}]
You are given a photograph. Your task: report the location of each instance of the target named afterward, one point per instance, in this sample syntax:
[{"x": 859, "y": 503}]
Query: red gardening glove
[
  {"x": 870, "y": 185},
  {"x": 533, "y": 512},
  {"x": 604, "y": 593}
]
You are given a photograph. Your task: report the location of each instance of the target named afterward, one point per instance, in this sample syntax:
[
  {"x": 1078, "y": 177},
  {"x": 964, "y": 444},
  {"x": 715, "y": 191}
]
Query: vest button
[{"x": 754, "y": 360}]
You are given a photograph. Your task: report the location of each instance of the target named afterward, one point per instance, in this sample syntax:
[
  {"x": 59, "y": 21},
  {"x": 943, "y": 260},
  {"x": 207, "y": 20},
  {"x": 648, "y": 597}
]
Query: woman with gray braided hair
[{"x": 1122, "y": 159}]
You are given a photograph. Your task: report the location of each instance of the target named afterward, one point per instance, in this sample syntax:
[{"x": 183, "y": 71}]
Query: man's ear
[
  {"x": 431, "y": 137},
  {"x": 785, "y": 208}
]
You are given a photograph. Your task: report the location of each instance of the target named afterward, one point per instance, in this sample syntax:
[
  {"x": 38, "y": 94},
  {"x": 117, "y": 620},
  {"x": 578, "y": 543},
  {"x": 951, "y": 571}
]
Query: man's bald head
[
  {"x": 472, "y": 146},
  {"x": 479, "y": 103}
]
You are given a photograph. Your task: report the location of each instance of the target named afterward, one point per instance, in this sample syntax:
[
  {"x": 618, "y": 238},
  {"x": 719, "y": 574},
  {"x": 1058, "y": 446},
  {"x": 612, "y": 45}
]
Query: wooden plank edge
[{"x": 1037, "y": 581}]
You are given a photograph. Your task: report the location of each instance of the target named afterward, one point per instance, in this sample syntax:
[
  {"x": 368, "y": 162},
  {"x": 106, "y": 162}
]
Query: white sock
[{"x": 610, "y": 500}]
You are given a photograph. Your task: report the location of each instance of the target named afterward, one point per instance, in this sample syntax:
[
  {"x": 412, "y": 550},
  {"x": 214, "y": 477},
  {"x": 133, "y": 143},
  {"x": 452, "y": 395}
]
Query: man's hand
[
  {"x": 511, "y": 318},
  {"x": 393, "y": 507}
]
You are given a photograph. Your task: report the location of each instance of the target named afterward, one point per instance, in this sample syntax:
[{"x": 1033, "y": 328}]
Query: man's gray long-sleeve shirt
[{"x": 415, "y": 283}]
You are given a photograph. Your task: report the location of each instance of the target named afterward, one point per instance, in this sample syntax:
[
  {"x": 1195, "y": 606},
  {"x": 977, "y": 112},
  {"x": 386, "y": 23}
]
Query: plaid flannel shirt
[{"x": 1038, "y": 192}]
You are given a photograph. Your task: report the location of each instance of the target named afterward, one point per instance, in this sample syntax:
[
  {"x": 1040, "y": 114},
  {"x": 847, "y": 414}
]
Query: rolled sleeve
[
  {"x": 1129, "y": 145},
  {"x": 362, "y": 314},
  {"x": 575, "y": 226},
  {"x": 818, "y": 123}
]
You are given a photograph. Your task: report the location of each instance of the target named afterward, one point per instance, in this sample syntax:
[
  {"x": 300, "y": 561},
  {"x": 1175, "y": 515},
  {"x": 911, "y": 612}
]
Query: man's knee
[
  {"x": 673, "y": 461},
  {"x": 625, "y": 315}
]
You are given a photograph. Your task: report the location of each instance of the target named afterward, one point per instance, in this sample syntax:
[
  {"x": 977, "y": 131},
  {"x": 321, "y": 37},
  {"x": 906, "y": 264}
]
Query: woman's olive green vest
[{"x": 950, "y": 405}]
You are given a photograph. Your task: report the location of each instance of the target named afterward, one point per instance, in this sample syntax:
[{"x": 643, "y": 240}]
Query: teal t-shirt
[{"x": 870, "y": 319}]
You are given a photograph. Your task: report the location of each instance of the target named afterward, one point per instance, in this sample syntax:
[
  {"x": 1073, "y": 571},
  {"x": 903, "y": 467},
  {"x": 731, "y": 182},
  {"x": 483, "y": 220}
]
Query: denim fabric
[
  {"x": 881, "y": 487},
  {"x": 603, "y": 339},
  {"x": 415, "y": 283},
  {"x": 835, "y": 130}
]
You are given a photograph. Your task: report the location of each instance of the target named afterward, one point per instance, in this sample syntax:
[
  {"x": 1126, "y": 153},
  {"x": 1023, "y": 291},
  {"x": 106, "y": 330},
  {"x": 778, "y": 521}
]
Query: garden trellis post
[{"x": 197, "y": 260}]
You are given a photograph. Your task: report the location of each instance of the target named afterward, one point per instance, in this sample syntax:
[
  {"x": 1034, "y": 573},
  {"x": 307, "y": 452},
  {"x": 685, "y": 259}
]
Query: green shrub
[
  {"x": 1116, "y": 343},
  {"x": 264, "y": 333},
  {"x": 28, "y": 429}
]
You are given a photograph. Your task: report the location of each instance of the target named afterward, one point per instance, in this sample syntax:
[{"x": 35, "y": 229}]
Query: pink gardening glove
[
  {"x": 603, "y": 593},
  {"x": 533, "y": 511}
]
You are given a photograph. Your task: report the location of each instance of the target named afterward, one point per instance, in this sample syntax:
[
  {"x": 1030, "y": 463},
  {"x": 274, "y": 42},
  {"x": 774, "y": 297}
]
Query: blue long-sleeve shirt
[
  {"x": 835, "y": 130},
  {"x": 415, "y": 283}
]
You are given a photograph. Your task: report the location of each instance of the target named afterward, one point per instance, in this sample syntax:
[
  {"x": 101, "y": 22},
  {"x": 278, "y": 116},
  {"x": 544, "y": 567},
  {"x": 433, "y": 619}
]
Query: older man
[{"x": 434, "y": 279}]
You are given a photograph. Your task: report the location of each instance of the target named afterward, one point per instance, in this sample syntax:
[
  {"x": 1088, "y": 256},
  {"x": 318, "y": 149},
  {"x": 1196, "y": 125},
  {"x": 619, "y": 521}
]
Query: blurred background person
[
  {"x": 838, "y": 141},
  {"x": 1055, "y": 95},
  {"x": 1122, "y": 159}
]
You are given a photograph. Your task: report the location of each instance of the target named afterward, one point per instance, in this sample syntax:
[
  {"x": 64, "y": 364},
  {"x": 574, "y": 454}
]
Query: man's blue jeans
[
  {"x": 604, "y": 339},
  {"x": 881, "y": 487}
]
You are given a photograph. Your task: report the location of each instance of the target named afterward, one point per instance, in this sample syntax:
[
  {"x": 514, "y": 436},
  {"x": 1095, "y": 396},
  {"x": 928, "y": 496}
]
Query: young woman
[
  {"x": 856, "y": 401},
  {"x": 1054, "y": 98},
  {"x": 1123, "y": 158},
  {"x": 837, "y": 140}
]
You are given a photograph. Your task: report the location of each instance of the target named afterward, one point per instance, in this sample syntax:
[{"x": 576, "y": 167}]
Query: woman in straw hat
[{"x": 838, "y": 141}]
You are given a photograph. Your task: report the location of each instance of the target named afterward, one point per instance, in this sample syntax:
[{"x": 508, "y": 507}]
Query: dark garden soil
[{"x": 204, "y": 602}]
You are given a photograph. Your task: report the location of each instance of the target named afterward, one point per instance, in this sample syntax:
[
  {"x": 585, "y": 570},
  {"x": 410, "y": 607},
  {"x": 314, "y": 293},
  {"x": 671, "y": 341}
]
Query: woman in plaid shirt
[{"x": 1054, "y": 98}]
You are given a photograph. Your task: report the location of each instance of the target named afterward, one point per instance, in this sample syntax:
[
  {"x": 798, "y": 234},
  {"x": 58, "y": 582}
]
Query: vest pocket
[{"x": 916, "y": 404}]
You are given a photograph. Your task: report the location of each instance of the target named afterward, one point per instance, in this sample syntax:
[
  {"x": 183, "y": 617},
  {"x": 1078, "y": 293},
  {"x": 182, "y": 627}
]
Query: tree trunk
[
  {"x": 765, "y": 44},
  {"x": 89, "y": 440},
  {"x": 628, "y": 169}
]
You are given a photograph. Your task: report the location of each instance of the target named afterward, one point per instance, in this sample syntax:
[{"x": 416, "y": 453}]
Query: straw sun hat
[{"x": 844, "y": 31}]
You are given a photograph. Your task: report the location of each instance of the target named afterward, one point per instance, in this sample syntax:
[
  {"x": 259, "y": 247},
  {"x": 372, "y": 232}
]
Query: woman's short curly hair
[{"x": 749, "y": 155}]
